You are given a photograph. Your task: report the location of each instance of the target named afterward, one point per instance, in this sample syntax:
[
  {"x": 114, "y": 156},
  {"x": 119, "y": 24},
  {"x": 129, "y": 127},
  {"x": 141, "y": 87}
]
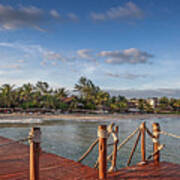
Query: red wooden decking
[{"x": 14, "y": 165}]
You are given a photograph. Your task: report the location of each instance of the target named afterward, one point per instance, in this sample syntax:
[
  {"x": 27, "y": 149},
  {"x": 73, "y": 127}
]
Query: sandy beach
[{"x": 87, "y": 116}]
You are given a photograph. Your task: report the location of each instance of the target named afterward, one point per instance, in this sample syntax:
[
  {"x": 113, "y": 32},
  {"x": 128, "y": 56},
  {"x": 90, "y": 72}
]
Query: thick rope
[
  {"x": 153, "y": 136},
  {"x": 115, "y": 139},
  {"x": 110, "y": 144},
  {"x": 149, "y": 133},
  {"x": 134, "y": 148},
  {"x": 96, "y": 163},
  {"x": 110, "y": 128},
  {"x": 154, "y": 153},
  {"x": 163, "y": 133},
  {"x": 100, "y": 134},
  {"x": 124, "y": 142},
  {"x": 169, "y": 134},
  {"x": 89, "y": 150},
  {"x": 113, "y": 167}
]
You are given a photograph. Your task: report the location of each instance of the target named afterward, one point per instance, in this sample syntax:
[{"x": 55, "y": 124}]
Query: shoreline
[{"x": 87, "y": 116}]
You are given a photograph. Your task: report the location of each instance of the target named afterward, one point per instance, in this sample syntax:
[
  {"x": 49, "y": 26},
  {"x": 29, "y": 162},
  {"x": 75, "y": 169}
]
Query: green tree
[
  {"x": 7, "y": 95},
  {"x": 141, "y": 105},
  {"x": 61, "y": 93},
  {"x": 163, "y": 103}
]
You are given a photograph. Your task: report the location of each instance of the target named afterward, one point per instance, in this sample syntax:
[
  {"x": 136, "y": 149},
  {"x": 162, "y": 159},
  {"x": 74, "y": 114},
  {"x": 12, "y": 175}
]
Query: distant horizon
[{"x": 147, "y": 93}]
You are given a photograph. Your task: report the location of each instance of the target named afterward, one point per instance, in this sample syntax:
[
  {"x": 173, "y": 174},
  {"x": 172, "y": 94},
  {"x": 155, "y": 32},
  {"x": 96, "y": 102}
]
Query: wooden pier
[{"x": 14, "y": 165}]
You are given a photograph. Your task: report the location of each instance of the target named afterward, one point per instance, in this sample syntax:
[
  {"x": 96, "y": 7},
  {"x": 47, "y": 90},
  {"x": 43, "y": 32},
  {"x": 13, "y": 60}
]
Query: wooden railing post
[
  {"x": 114, "y": 157},
  {"x": 115, "y": 149},
  {"x": 35, "y": 136},
  {"x": 156, "y": 130},
  {"x": 102, "y": 134},
  {"x": 143, "y": 142}
]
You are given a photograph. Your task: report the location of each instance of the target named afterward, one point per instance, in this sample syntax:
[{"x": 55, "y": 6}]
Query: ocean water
[{"x": 70, "y": 138}]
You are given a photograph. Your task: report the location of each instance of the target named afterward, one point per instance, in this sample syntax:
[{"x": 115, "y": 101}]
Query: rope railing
[
  {"x": 104, "y": 134},
  {"x": 142, "y": 130},
  {"x": 34, "y": 140},
  {"x": 162, "y": 133},
  {"x": 110, "y": 156},
  {"x": 154, "y": 153},
  {"x": 116, "y": 141},
  {"x": 89, "y": 150},
  {"x": 134, "y": 148},
  {"x": 124, "y": 142},
  {"x": 169, "y": 134},
  {"x": 155, "y": 140},
  {"x": 149, "y": 133},
  {"x": 91, "y": 147},
  {"x": 153, "y": 135}
]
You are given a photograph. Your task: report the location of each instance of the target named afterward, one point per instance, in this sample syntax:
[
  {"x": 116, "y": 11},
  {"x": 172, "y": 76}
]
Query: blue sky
[{"x": 118, "y": 44}]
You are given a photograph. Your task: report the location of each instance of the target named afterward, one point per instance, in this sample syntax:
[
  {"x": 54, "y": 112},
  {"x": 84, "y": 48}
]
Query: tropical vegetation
[{"x": 85, "y": 96}]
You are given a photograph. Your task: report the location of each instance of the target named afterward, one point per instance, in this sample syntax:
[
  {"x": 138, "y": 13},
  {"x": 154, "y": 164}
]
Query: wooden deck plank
[{"x": 14, "y": 165}]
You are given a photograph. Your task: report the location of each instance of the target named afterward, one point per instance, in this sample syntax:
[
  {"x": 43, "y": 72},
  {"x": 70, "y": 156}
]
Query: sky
[{"x": 127, "y": 47}]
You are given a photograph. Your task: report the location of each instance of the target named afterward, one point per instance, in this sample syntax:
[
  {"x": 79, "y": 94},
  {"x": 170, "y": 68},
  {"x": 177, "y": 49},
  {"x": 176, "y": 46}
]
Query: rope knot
[
  {"x": 102, "y": 134},
  {"x": 155, "y": 140}
]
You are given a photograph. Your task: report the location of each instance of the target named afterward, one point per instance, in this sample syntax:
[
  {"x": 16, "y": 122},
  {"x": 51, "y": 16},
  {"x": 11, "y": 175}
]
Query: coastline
[{"x": 87, "y": 116}]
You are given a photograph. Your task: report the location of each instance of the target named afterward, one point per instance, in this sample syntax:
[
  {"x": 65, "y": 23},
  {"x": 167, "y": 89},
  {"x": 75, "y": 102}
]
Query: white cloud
[
  {"x": 129, "y": 10},
  {"x": 5, "y": 44},
  {"x": 88, "y": 69},
  {"x": 72, "y": 17},
  {"x": 35, "y": 50},
  {"x": 128, "y": 56},
  {"x": 20, "y": 61},
  {"x": 129, "y": 76},
  {"x": 51, "y": 55},
  {"x": 29, "y": 17},
  {"x": 98, "y": 16},
  {"x": 11, "y": 18},
  {"x": 10, "y": 66},
  {"x": 85, "y": 53},
  {"x": 54, "y": 13}
]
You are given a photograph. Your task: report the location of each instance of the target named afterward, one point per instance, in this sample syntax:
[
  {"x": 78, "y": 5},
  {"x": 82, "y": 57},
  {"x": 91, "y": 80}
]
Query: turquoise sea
[{"x": 71, "y": 138}]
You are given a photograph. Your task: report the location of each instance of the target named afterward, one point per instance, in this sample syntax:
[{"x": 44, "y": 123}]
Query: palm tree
[
  {"x": 26, "y": 92},
  {"x": 43, "y": 93},
  {"x": 101, "y": 98},
  {"x": 61, "y": 93},
  {"x": 7, "y": 95},
  {"x": 141, "y": 105},
  {"x": 42, "y": 87},
  {"x": 86, "y": 88},
  {"x": 163, "y": 103}
]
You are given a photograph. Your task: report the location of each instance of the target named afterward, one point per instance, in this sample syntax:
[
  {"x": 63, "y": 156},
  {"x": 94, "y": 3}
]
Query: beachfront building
[
  {"x": 153, "y": 102},
  {"x": 133, "y": 103}
]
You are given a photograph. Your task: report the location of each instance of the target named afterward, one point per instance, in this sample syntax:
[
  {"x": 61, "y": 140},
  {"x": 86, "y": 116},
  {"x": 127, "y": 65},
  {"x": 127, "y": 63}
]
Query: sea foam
[{"x": 21, "y": 121}]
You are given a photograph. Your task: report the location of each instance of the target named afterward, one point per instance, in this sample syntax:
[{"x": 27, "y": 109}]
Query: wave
[{"x": 21, "y": 121}]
